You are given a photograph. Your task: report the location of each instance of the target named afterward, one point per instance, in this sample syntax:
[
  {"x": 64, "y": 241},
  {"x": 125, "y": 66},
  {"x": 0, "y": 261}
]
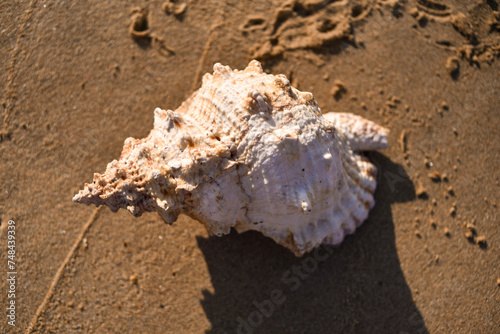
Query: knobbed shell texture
[{"x": 249, "y": 151}]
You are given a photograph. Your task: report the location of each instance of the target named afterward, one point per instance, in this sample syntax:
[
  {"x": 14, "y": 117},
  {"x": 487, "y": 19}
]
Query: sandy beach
[{"x": 80, "y": 77}]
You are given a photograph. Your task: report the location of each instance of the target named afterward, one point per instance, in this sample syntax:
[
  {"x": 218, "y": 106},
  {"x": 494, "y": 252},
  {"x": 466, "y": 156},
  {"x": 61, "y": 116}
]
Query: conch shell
[{"x": 249, "y": 151}]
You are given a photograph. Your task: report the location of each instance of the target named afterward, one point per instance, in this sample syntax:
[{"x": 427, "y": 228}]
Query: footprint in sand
[
  {"x": 140, "y": 31},
  {"x": 174, "y": 7},
  {"x": 306, "y": 24},
  {"x": 139, "y": 27},
  {"x": 478, "y": 38},
  {"x": 434, "y": 8},
  {"x": 253, "y": 23}
]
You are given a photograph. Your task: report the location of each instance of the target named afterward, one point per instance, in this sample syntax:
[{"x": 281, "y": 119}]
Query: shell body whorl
[{"x": 249, "y": 151}]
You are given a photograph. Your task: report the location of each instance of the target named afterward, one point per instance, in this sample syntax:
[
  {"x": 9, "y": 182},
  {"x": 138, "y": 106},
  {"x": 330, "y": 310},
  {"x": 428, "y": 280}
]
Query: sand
[{"x": 78, "y": 78}]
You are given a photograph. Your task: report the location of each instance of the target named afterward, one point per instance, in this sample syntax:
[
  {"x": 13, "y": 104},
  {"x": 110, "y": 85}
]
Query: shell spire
[{"x": 249, "y": 151}]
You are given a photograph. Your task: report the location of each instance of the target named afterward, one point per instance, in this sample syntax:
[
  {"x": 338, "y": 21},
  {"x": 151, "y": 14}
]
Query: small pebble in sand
[
  {"x": 450, "y": 191},
  {"x": 421, "y": 192},
  {"x": 453, "y": 210},
  {"x": 414, "y": 12},
  {"x": 71, "y": 304},
  {"x": 133, "y": 279},
  {"x": 417, "y": 234},
  {"x": 446, "y": 232},
  {"x": 433, "y": 223},
  {"x": 452, "y": 66},
  {"x": 434, "y": 202},
  {"x": 469, "y": 236},
  {"x": 422, "y": 21},
  {"x": 390, "y": 104},
  {"x": 471, "y": 227},
  {"x": 498, "y": 282},
  {"x": 392, "y": 101},
  {"x": 444, "y": 177},
  {"x": 481, "y": 241},
  {"x": 428, "y": 163},
  {"x": 80, "y": 306},
  {"x": 363, "y": 105},
  {"x": 338, "y": 83},
  {"x": 435, "y": 176},
  {"x": 444, "y": 105},
  {"x": 337, "y": 90}
]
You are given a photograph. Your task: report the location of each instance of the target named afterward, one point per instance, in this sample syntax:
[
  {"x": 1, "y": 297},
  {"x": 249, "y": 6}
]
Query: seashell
[{"x": 249, "y": 151}]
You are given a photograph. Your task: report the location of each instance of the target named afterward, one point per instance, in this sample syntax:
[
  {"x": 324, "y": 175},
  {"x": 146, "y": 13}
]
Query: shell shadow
[{"x": 358, "y": 287}]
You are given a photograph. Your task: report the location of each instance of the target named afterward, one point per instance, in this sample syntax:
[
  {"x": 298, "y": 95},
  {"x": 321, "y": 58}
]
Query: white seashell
[{"x": 249, "y": 151}]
